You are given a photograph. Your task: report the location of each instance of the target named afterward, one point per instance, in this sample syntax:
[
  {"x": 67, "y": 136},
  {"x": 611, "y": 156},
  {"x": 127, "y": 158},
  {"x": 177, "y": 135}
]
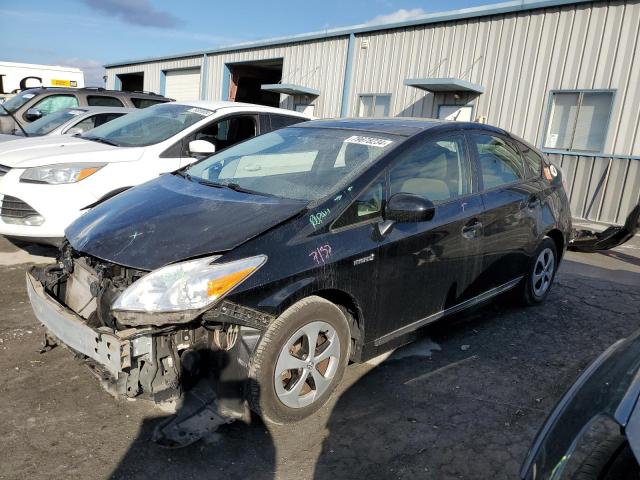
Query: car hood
[
  {"x": 170, "y": 219},
  {"x": 37, "y": 151}
]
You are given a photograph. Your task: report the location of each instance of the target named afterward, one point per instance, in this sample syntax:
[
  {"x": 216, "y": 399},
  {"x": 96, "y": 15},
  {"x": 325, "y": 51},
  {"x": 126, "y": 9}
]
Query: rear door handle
[{"x": 472, "y": 229}]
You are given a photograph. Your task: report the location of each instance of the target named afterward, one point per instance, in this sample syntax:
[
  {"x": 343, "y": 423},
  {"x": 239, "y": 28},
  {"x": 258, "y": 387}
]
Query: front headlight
[
  {"x": 60, "y": 174},
  {"x": 191, "y": 285}
]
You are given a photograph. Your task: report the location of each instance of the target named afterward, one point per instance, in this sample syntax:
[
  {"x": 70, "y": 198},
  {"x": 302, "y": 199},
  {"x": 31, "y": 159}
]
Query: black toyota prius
[{"x": 298, "y": 251}]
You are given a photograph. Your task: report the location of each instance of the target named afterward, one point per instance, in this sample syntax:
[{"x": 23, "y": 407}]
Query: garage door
[{"x": 182, "y": 84}]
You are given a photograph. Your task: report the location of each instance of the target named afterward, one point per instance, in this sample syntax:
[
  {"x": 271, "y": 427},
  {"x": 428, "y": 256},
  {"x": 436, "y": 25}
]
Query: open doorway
[
  {"x": 131, "y": 82},
  {"x": 246, "y": 80}
]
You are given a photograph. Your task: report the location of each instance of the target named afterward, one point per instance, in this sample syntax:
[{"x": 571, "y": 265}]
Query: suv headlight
[
  {"x": 186, "y": 286},
  {"x": 60, "y": 174}
]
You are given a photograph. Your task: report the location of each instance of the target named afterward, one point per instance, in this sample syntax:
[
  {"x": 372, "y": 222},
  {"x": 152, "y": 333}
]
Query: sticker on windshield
[
  {"x": 28, "y": 95},
  {"x": 75, "y": 112},
  {"x": 369, "y": 141},
  {"x": 200, "y": 111}
]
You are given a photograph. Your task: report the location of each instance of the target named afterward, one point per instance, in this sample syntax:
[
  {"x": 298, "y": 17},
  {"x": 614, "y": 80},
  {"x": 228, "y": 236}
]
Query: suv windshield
[
  {"x": 149, "y": 126},
  {"x": 299, "y": 163},
  {"x": 15, "y": 102},
  {"x": 52, "y": 121}
]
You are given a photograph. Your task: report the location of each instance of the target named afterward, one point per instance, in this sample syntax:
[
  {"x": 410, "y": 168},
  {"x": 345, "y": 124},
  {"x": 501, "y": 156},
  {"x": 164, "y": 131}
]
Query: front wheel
[
  {"x": 299, "y": 361},
  {"x": 536, "y": 284}
]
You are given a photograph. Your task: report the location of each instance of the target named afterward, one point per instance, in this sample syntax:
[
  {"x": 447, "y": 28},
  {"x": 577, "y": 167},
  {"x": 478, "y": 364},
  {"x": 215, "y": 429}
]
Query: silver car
[{"x": 69, "y": 121}]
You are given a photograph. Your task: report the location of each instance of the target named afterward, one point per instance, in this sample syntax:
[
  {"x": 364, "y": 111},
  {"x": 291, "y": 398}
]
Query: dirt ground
[{"x": 465, "y": 401}]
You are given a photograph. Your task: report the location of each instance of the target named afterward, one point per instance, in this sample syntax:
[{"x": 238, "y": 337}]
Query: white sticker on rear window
[
  {"x": 200, "y": 111},
  {"x": 369, "y": 141}
]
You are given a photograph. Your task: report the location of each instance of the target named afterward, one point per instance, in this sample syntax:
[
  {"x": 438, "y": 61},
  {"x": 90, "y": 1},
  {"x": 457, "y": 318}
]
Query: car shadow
[{"x": 240, "y": 449}]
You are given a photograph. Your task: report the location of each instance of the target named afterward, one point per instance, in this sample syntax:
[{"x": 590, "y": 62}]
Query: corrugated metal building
[{"x": 564, "y": 75}]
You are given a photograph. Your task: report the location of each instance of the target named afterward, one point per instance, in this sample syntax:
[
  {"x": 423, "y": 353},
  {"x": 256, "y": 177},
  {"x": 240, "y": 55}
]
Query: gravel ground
[{"x": 465, "y": 401}]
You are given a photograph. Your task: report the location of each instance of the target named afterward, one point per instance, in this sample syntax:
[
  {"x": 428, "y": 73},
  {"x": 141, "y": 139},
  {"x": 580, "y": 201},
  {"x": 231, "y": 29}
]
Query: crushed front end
[{"x": 74, "y": 300}]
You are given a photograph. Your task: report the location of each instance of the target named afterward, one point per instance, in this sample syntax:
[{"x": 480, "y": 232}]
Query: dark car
[
  {"x": 299, "y": 250},
  {"x": 35, "y": 103},
  {"x": 593, "y": 432}
]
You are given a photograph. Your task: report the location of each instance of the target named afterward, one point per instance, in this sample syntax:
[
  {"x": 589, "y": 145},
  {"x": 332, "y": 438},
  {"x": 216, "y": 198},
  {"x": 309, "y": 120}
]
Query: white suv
[{"x": 48, "y": 182}]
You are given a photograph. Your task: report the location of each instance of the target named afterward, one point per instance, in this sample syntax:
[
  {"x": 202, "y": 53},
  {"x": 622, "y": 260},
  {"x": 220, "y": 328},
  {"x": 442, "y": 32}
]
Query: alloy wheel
[
  {"x": 307, "y": 364},
  {"x": 543, "y": 272}
]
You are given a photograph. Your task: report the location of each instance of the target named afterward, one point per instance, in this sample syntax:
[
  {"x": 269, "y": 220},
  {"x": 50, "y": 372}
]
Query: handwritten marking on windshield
[
  {"x": 316, "y": 219},
  {"x": 321, "y": 254}
]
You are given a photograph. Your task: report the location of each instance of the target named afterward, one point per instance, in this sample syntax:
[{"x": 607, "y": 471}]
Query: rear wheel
[
  {"x": 299, "y": 361},
  {"x": 536, "y": 284}
]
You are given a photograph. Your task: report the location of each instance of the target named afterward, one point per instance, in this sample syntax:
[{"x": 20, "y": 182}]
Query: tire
[
  {"x": 301, "y": 390},
  {"x": 612, "y": 459},
  {"x": 534, "y": 290}
]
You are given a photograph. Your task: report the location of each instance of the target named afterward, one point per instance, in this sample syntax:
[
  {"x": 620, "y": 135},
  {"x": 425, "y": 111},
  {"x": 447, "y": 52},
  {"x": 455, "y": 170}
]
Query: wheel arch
[{"x": 558, "y": 238}]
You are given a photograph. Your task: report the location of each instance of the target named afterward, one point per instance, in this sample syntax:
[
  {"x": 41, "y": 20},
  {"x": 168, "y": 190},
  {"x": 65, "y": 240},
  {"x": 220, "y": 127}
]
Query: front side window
[
  {"x": 374, "y": 105},
  {"x": 103, "y": 101},
  {"x": 578, "y": 120},
  {"x": 47, "y": 124},
  {"x": 295, "y": 162},
  {"x": 281, "y": 121},
  {"x": 221, "y": 134},
  {"x": 149, "y": 126},
  {"x": 53, "y": 103},
  {"x": 436, "y": 169},
  {"x": 500, "y": 162}
]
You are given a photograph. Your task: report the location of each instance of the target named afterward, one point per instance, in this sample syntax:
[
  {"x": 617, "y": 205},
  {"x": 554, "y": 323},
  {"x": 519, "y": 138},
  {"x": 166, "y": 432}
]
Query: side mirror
[
  {"x": 406, "y": 207},
  {"x": 33, "y": 114},
  {"x": 201, "y": 147}
]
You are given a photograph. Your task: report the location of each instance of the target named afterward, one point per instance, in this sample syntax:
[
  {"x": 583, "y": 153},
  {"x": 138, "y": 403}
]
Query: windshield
[
  {"x": 52, "y": 121},
  {"x": 299, "y": 163},
  {"x": 149, "y": 126},
  {"x": 15, "y": 102}
]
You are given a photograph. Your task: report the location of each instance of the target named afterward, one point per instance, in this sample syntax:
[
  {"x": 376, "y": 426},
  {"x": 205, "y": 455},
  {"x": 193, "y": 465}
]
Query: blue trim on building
[
  {"x": 163, "y": 81},
  {"x": 465, "y": 13},
  {"x": 204, "y": 74},
  {"x": 226, "y": 81},
  {"x": 573, "y": 153},
  {"x": 346, "y": 84}
]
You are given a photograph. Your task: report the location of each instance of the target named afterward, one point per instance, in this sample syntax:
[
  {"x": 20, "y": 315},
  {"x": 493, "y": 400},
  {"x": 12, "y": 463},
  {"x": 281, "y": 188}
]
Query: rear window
[
  {"x": 103, "y": 101},
  {"x": 532, "y": 160},
  {"x": 145, "y": 102}
]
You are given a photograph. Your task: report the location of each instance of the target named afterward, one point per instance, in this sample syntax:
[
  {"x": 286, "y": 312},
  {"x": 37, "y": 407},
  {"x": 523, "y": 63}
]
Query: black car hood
[{"x": 171, "y": 218}]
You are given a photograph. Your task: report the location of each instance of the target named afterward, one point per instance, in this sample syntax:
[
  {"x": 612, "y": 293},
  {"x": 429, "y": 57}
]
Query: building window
[
  {"x": 578, "y": 120},
  {"x": 374, "y": 105}
]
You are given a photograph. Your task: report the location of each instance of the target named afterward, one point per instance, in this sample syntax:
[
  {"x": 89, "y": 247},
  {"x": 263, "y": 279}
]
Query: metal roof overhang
[
  {"x": 291, "y": 89},
  {"x": 444, "y": 85}
]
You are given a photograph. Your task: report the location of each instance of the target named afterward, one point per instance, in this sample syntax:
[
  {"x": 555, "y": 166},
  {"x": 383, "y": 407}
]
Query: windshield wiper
[
  {"x": 14, "y": 119},
  {"x": 101, "y": 140},
  {"x": 231, "y": 186}
]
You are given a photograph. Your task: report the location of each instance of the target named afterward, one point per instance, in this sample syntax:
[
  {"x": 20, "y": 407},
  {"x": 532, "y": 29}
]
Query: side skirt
[{"x": 449, "y": 311}]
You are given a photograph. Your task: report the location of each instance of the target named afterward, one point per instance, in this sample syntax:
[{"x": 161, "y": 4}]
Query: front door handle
[{"x": 472, "y": 229}]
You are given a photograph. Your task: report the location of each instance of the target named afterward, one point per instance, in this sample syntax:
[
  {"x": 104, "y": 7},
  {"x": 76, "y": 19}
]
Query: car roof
[
  {"x": 405, "y": 126},
  {"x": 218, "y": 104}
]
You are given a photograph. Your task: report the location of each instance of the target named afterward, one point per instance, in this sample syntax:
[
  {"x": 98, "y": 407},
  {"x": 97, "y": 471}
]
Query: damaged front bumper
[{"x": 112, "y": 350}]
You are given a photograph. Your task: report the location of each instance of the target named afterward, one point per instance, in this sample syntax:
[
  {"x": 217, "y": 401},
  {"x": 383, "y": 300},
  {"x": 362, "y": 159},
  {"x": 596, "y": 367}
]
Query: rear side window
[
  {"x": 533, "y": 161},
  {"x": 145, "y": 102},
  {"x": 103, "y": 101},
  {"x": 500, "y": 162},
  {"x": 281, "y": 121}
]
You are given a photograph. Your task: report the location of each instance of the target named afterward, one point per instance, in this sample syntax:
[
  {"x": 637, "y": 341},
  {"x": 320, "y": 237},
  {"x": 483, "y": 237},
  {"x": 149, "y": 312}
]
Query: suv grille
[
  {"x": 15, "y": 208},
  {"x": 4, "y": 170}
]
